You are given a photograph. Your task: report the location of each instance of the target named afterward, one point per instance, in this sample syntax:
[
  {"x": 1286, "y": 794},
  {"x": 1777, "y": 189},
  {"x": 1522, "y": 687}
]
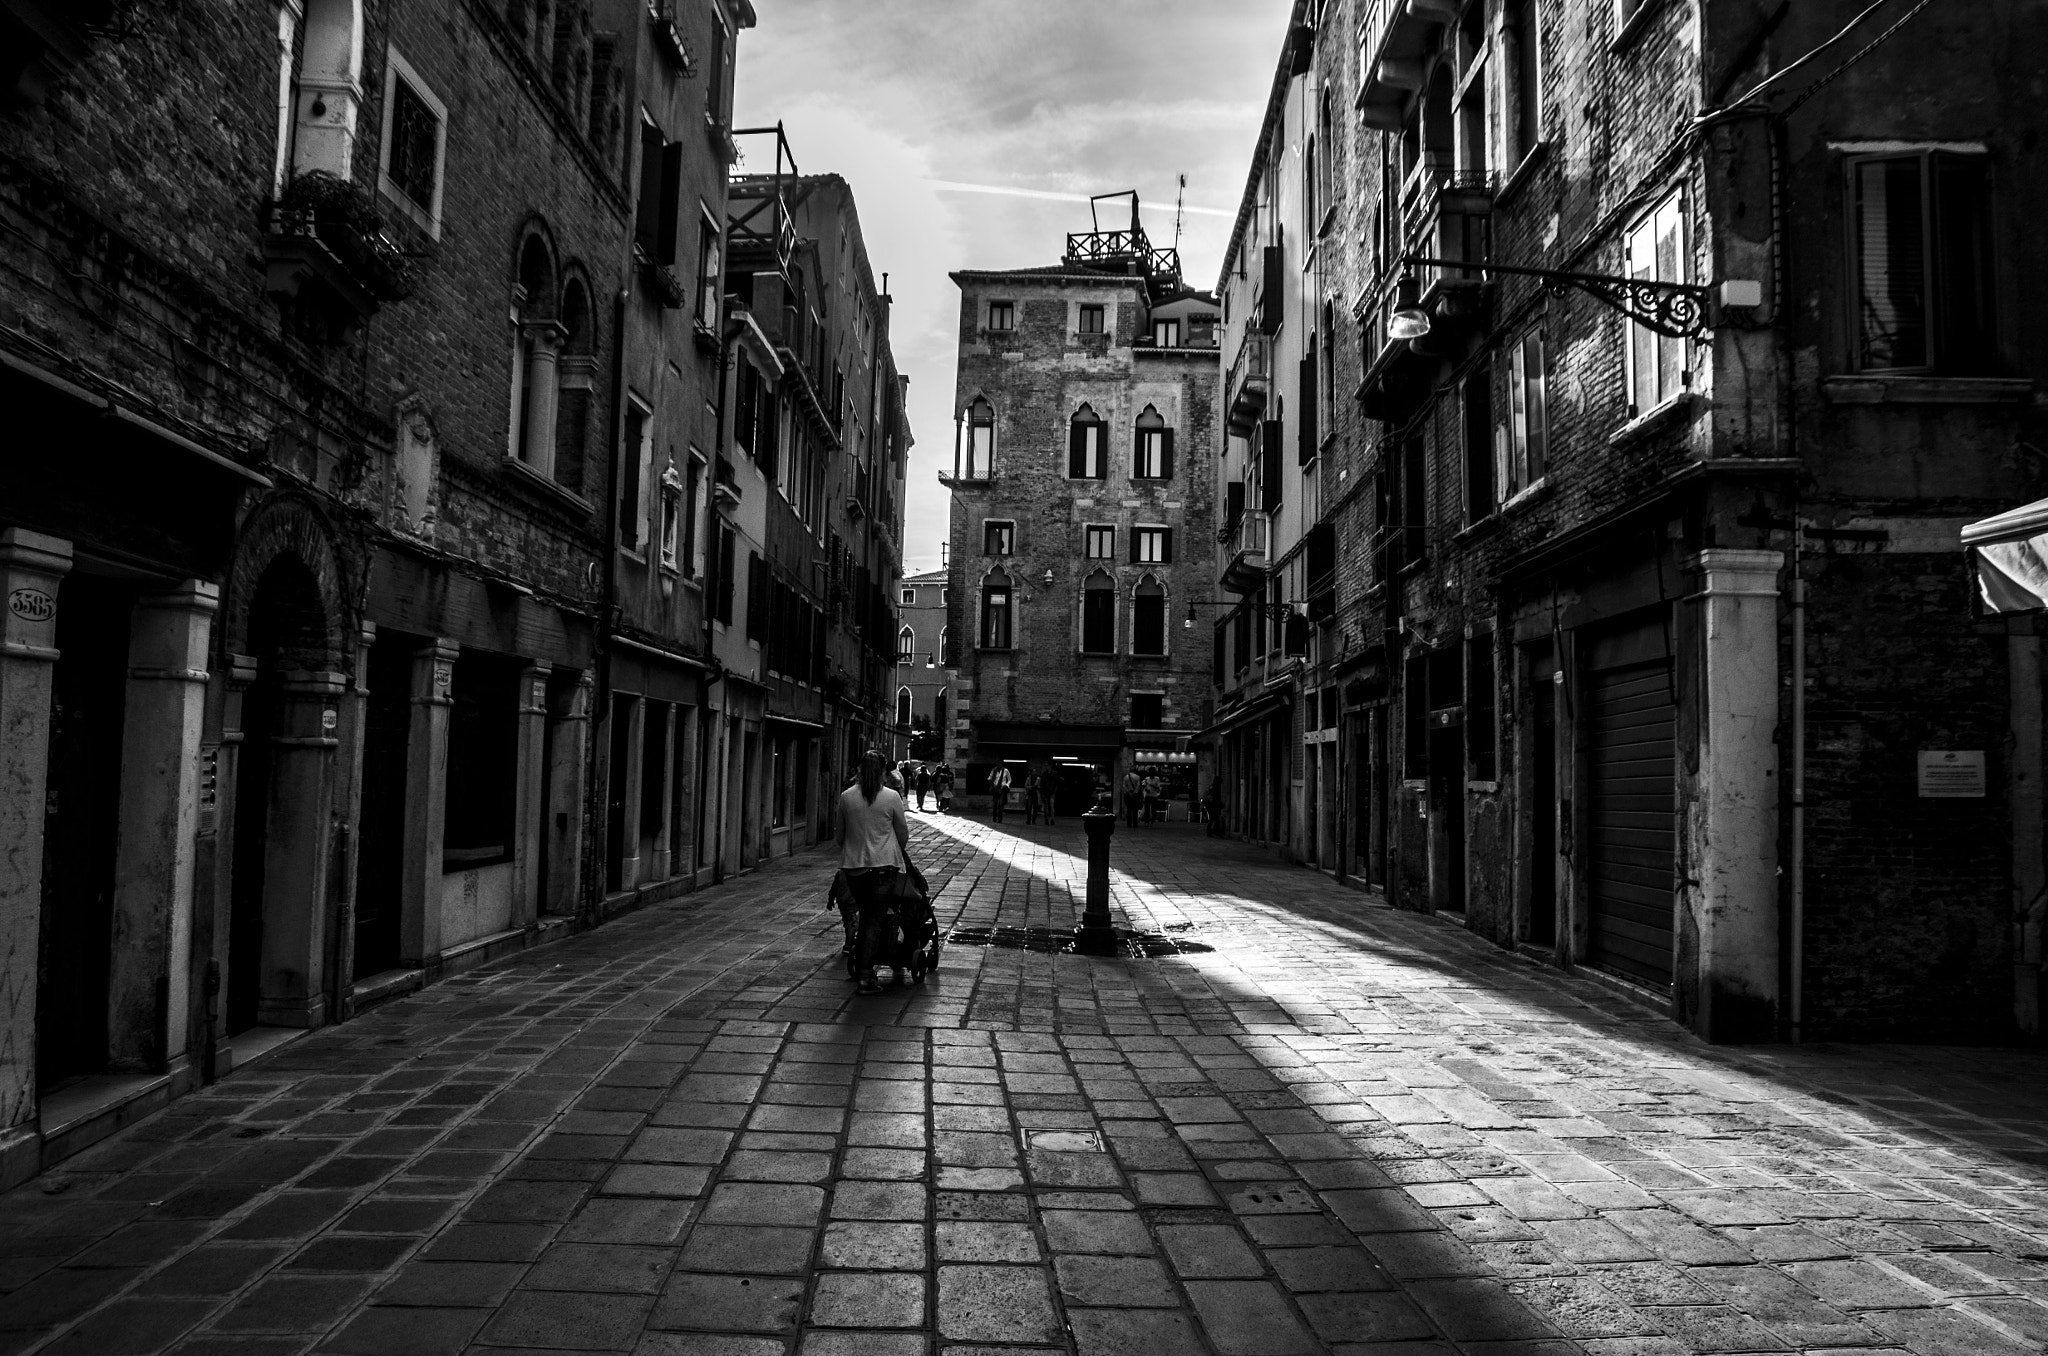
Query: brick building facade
[
  {"x": 369, "y": 624},
  {"x": 1638, "y": 642},
  {"x": 1082, "y": 503},
  {"x": 924, "y": 646}
]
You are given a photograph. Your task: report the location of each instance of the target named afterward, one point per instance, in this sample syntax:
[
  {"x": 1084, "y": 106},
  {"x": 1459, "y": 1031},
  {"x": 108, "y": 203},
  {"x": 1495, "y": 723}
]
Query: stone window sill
[
  {"x": 1667, "y": 415},
  {"x": 525, "y": 475},
  {"x": 1916, "y": 390},
  {"x": 1522, "y": 173}
]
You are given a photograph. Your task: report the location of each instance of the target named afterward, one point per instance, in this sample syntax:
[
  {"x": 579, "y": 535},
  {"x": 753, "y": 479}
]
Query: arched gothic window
[
  {"x": 1087, "y": 457},
  {"x": 1148, "y": 618},
  {"x": 980, "y": 447}
]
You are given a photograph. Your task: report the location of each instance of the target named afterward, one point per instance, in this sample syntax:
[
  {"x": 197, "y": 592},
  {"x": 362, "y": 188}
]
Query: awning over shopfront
[
  {"x": 2011, "y": 555},
  {"x": 1250, "y": 711}
]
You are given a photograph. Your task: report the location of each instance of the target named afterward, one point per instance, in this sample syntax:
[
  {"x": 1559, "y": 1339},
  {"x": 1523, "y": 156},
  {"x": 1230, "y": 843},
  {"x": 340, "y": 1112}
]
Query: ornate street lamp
[{"x": 1278, "y": 612}]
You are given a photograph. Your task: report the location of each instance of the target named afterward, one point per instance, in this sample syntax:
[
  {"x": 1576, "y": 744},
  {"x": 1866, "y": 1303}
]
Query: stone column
[
  {"x": 568, "y": 760},
  {"x": 543, "y": 394},
  {"x": 632, "y": 710},
  {"x": 32, "y": 566},
  {"x": 1734, "y": 829},
  {"x": 530, "y": 810},
  {"x": 426, "y": 801},
  {"x": 298, "y": 851},
  {"x": 149, "y": 988},
  {"x": 658, "y": 869},
  {"x": 353, "y": 729}
]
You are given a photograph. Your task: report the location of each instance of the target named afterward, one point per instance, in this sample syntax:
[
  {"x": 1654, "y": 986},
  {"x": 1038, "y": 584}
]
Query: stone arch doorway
[{"x": 286, "y": 690}]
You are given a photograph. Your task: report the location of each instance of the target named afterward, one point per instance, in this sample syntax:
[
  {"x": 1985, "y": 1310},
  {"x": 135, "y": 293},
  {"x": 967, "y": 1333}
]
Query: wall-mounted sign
[
  {"x": 1951, "y": 774},
  {"x": 32, "y": 605}
]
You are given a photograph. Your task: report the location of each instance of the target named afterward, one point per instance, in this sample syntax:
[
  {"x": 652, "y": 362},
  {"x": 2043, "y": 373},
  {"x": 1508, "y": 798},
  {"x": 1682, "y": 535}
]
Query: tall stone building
[
  {"x": 1652, "y": 648},
  {"x": 1082, "y": 513}
]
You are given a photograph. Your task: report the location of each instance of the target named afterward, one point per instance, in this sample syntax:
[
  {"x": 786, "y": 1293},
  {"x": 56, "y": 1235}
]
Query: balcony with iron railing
[
  {"x": 1251, "y": 379},
  {"x": 1250, "y": 553}
]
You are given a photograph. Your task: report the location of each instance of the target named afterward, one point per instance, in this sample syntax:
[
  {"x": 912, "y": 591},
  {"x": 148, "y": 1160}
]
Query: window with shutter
[
  {"x": 671, "y": 206},
  {"x": 995, "y": 613},
  {"x": 1655, "y": 252},
  {"x": 1085, "y": 459},
  {"x": 757, "y": 597},
  {"x": 727, "y": 549},
  {"x": 1100, "y": 542},
  {"x": 1148, "y": 461}
]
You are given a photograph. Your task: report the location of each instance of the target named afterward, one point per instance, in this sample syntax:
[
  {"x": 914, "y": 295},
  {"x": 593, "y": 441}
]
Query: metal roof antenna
[{"x": 1179, "y": 199}]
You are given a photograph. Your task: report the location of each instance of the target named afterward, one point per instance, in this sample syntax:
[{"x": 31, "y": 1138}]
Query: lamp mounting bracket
[{"x": 1675, "y": 309}]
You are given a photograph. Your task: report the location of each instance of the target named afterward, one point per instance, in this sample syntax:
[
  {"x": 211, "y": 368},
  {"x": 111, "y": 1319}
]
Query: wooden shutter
[
  {"x": 1077, "y": 449},
  {"x": 1307, "y": 403},
  {"x": 671, "y": 202},
  {"x": 1166, "y": 455},
  {"x": 1166, "y": 546},
  {"x": 1136, "y": 533},
  {"x": 1269, "y": 486},
  {"x": 757, "y": 620}
]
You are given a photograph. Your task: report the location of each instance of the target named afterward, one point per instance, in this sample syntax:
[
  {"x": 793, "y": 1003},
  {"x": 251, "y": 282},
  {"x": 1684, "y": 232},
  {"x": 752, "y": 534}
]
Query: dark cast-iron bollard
[{"x": 1097, "y": 935}]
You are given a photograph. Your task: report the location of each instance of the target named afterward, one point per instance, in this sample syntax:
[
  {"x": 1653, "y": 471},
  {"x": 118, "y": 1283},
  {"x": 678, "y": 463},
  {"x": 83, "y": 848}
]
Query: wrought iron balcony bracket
[{"x": 1675, "y": 309}]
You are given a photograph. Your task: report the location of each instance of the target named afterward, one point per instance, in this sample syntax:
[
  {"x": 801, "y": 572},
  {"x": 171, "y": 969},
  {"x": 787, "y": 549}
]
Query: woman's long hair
[{"x": 871, "y": 775}]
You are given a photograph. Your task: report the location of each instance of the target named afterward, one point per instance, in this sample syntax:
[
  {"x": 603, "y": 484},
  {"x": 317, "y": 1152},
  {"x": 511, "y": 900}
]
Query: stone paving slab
[{"x": 1337, "y": 1129}]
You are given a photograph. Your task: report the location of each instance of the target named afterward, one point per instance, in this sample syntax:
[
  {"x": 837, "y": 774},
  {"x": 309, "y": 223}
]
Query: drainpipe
[{"x": 1798, "y": 789}]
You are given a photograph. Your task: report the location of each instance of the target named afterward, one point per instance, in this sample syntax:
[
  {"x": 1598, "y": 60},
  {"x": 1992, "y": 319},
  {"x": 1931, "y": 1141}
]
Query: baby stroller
[{"x": 898, "y": 929}]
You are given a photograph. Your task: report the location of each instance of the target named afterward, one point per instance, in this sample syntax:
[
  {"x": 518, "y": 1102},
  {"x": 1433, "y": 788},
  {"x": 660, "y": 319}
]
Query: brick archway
[{"x": 317, "y": 635}]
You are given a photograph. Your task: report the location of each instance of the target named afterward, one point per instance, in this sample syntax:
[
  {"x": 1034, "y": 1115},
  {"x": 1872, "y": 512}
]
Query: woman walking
[{"x": 874, "y": 842}]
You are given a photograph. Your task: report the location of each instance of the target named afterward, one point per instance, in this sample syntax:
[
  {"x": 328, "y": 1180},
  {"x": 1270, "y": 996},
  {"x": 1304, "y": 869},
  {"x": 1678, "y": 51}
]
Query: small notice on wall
[{"x": 1949, "y": 773}]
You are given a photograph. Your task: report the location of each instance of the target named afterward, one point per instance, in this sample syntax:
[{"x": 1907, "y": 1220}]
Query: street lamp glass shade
[
  {"x": 1409, "y": 320},
  {"x": 1187, "y": 623}
]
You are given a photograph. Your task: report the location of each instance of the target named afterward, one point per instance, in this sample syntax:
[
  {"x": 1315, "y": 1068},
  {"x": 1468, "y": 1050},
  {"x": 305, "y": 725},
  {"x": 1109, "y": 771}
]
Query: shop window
[
  {"x": 1086, "y": 459},
  {"x": 1921, "y": 235},
  {"x": 779, "y": 781},
  {"x": 1098, "y": 614},
  {"x": 483, "y": 761},
  {"x": 1148, "y": 710},
  {"x": 1153, "y": 453},
  {"x": 1148, "y": 618}
]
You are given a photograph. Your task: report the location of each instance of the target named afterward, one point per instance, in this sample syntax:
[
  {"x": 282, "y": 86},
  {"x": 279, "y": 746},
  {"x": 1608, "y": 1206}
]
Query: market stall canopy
[{"x": 2011, "y": 553}]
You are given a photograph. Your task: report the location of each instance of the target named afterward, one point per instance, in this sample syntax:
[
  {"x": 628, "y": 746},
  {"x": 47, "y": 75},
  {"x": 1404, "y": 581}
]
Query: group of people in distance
[{"x": 922, "y": 780}]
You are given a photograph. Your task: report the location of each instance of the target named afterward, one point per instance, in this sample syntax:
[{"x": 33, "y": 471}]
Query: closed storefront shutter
[{"x": 1632, "y": 834}]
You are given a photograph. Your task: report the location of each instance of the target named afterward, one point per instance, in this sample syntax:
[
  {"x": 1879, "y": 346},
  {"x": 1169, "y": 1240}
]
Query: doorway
[
  {"x": 1447, "y": 817},
  {"x": 282, "y": 779},
  {"x": 1543, "y": 814},
  {"x": 81, "y": 823}
]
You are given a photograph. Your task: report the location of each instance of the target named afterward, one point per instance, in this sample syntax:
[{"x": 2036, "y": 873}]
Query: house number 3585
[{"x": 32, "y": 605}]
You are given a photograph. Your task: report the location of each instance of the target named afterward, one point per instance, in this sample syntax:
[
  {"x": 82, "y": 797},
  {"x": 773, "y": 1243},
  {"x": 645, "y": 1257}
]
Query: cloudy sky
[{"x": 914, "y": 101}]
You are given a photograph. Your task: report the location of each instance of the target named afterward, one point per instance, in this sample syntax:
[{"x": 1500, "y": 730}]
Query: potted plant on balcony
[{"x": 338, "y": 215}]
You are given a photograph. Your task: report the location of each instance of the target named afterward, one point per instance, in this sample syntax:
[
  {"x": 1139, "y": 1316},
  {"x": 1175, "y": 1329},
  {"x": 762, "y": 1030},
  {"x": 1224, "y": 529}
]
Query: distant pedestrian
[
  {"x": 1133, "y": 792},
  {"x": 1155, "y": 804},
  {"x": 1046, "y": 783},
  {"x": 999, "y": 790},
  {"x": 1212, "y": 806},
  {"x": 924, "y": 783},
  {"x": 1031, "y": 798},
  {"x": 942, "y": 782}
]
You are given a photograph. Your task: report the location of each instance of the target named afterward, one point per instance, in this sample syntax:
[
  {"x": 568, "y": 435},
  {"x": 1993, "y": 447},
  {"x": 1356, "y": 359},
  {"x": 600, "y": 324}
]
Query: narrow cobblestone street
[{"x": 1340, "y": 1129}]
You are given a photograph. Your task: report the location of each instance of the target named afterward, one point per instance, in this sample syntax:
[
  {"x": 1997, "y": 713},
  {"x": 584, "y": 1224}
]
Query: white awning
[{"x": 2011, "y": 555}]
